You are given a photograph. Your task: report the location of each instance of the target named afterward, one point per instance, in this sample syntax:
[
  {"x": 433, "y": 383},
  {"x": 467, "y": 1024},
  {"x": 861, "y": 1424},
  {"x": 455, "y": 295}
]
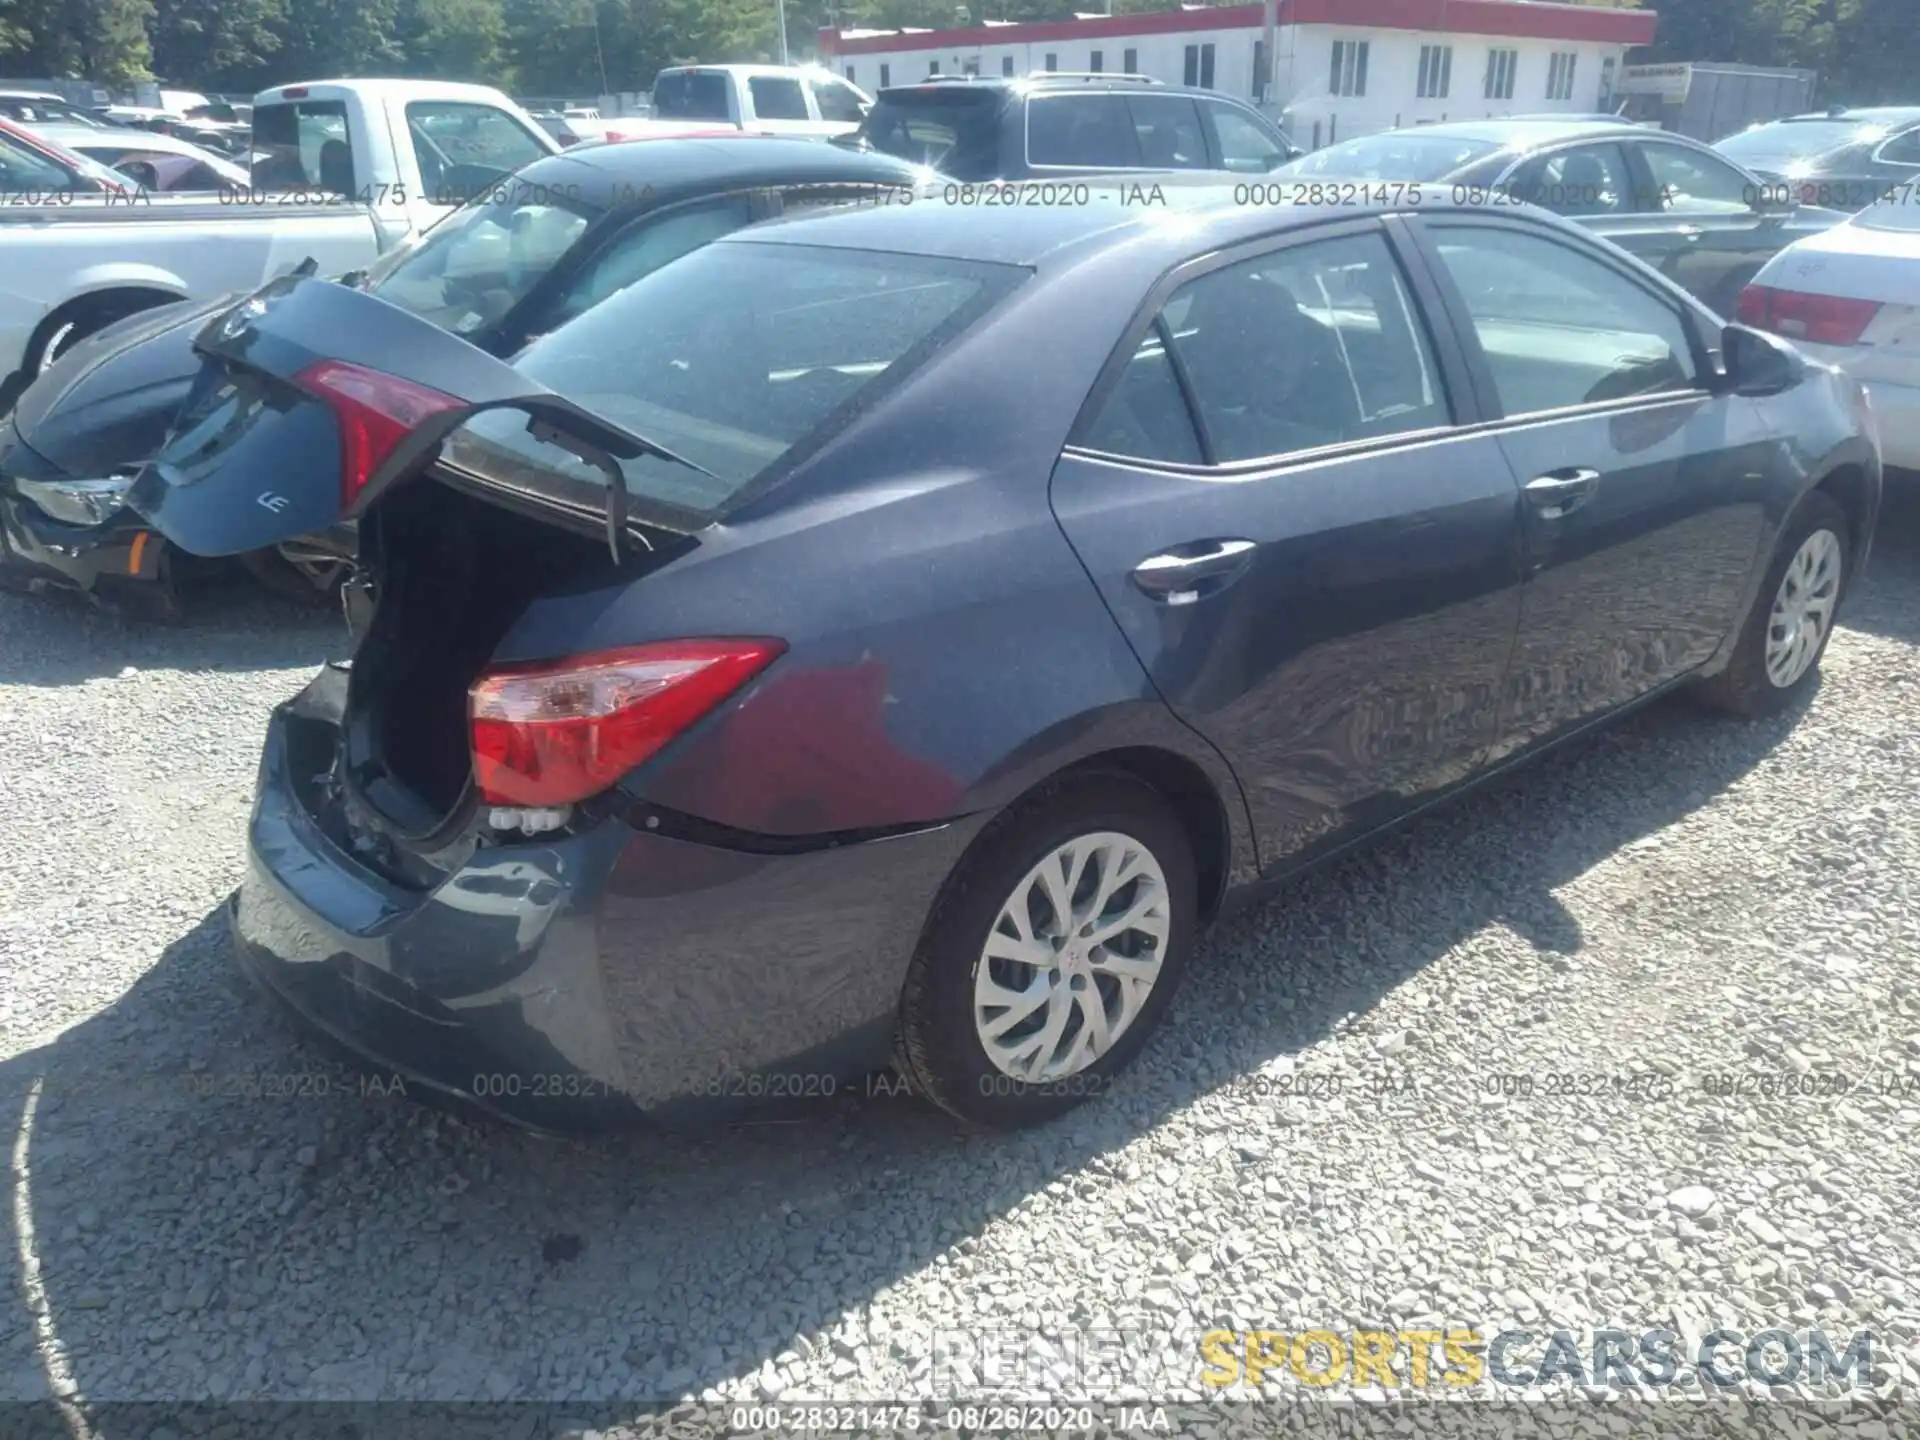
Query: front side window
[
  {"x": 1244, "y": 144},
  {"x": 1501, "y": 66},
  {"x": 777, "y": 98},
  {"x": 1687, "y": 181},
  {"x": 468, "y": 271},
  {"x": 461, "y": 146},
  {"x": 1314, "y": 345},
  {"x": 838, "y": 103},
  {"x": 732, "y": 357},
  {"x": 1092, "y": 131},
  {"x": 1167, "y": 131},
  {"x": 1560, "y": 327},
  {"x": 1589, "y": 180}
]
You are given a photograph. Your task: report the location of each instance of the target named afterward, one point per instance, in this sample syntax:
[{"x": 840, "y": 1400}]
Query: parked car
[
  {"x": 349, "y": 169},
  {"x": 40, "y": 107},
  {"x": 161, "y": 164},
  {"x": 1843, "y": 158},
  {"x": 857, "y": 640},
  {"x": 1690, "y": 213},
  {"x": 761, "y": 99},
  {"x": 567, "y": 233},
  {"x": 1054, "y": 124},
  {"x": 1850, "y": 297}
]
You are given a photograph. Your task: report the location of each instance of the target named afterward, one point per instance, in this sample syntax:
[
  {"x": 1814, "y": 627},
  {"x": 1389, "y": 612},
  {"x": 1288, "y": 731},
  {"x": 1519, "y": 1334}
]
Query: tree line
[{"x": 1865, "y": 50}]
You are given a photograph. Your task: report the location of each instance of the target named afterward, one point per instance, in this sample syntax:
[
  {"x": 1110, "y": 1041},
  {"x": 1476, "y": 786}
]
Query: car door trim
[{"x": 1567, "y": 233}]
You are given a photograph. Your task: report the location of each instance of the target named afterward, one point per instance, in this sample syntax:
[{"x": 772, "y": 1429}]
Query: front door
[
  {"x": 1724, "y": 233},
  {"x": 1641, "y": 489},
  {"x": 1316, "y": 569}
]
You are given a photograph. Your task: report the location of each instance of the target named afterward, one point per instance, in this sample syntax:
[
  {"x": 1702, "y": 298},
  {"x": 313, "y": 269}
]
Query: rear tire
[
  {"x": 1004, "y": 1042},
  {"x": 1777, "y": 657}
]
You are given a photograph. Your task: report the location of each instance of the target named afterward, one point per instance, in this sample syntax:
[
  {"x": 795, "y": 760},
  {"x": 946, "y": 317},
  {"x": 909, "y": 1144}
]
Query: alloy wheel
[
  {"x": 1072, "y": 957},
  {"x": 1803, "y": 608}
]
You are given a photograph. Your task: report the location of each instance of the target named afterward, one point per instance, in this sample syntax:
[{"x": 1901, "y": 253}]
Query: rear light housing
[
  {"x": 376, "y": 412},
  {"x": 550, "y": 734},
  {"x": 1818, "y": 319}
]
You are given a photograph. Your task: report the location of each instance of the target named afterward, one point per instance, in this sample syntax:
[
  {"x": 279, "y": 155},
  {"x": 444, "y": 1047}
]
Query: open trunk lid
[{"x": 314, "y": 398}]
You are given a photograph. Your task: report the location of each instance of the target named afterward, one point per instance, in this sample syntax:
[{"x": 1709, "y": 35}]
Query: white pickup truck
[
  {"x": 760, "y": 99},
  {"x": 344, "y": 171}
]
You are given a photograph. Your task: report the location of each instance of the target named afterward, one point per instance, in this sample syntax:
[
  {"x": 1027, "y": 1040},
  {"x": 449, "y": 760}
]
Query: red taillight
[
  {"x": 551, "y": 734},
  {"x": 1822, "y": 319},
  {"x": 294, "y": 92},
  {"x": 376, "y": 412}
]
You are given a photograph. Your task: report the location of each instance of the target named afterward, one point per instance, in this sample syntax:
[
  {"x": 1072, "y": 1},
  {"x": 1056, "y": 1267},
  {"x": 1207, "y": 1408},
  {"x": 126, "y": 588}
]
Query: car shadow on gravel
[
  {"x": 54, "y": 638},
  {"x": 1883, "y": 605},
  {"x": 203, "y": 1206}
]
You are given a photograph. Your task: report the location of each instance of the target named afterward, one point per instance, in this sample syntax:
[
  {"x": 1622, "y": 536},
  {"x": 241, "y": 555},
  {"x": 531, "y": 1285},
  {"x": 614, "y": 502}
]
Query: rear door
[
  {"x": 1642, "y": 488},
  {"x": 780, "y": 106},
  {"x": 1318, "y": 569},
  {"x": 1080, "y": 134},
  {"x": 312, "y": 400}
]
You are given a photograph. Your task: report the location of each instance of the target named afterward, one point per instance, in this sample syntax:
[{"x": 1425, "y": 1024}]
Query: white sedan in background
[{"x": 1850, "y": 296}]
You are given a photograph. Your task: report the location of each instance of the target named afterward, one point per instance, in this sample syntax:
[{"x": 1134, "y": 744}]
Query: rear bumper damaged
[{"x": 591, "y": 980}]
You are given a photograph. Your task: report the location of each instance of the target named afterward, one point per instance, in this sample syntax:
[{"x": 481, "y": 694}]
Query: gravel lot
[{"x": 1681, "y": 898}]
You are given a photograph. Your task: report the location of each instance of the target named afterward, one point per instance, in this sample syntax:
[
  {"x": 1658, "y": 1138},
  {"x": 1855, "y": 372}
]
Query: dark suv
[{"x": 1069, "y": 123}]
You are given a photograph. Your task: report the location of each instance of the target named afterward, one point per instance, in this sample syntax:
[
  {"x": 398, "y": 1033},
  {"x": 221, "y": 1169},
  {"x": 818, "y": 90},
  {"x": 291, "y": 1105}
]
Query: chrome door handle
[
  {"x": 1561, "y": 492},
  {"x": 1187, "y": 573}
]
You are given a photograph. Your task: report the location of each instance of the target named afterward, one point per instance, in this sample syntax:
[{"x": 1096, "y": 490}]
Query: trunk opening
[{"x": 454, "y": 573}]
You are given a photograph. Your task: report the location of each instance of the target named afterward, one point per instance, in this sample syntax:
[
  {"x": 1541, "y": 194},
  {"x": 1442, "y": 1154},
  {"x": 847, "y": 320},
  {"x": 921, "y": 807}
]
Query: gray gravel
[{"x": 1682, "y": 898}]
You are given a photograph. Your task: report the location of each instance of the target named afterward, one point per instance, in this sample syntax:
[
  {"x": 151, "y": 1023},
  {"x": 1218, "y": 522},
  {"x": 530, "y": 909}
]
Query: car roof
[
  {"x": 1092, "y": 83},
  {"x": 1887, "y": 114},
  {"x": 35, "y": 95},
  {"x": 1189, "y": 217},
  {"x": 677, "y": 167}
]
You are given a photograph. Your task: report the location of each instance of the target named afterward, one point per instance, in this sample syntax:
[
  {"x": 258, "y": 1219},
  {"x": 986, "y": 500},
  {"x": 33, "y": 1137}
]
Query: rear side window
[
  {"x": 1092, "y": 131},
  {"x": 1167, "y": 131},
  {"x": 732, "y": 356},
  {"x": 1588, "y": 180},
  {"x": 691, "y": 95},
  {"x": 777, "y": 99},
  {"x": 1902, "y": 149},
  {"x": 1312, "y": 345},
  {"x": 463, "y": 147},
  {"x": 303, "y": 146},
  {"x": 1686, "y": 181},
  {"x": 1560, "y": 327}
]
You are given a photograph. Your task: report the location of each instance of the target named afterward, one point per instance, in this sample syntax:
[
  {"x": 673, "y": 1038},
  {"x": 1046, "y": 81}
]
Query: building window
[
  {"x": 1436, "y": 72},
  {"x": 1560, "y": 75},
  {"x": 1259, "y": 72},
  {"x": 1349, "y": 68},
  {"x": 1199, "y": 66},
  {"x": 972, "y": 67},
  {"x": 1053, "y": 61},
  {"x": 1006, "y": 64},
  {"x": 1096, "y": 62},
  {"x": 1501, "y": 65},
  {"x": 886, "y": 76},
  {"x": 850, "y": 79},
  {"x": 1130, "y": 61},
  {"x": 1606, "y": 83},
  {"x": 933, "y": 67}
]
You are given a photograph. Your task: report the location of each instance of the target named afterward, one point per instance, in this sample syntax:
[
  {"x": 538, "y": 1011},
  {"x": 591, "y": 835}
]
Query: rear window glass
[
  {"x": 954, "y": 131},
  {"x": 1397, "y": 155},
  {"x": 691, "y": 95},
  {"x": 303, "y": 146},
  {"x": 732, "y": 357},
  {"x": 777, "y": 99}
]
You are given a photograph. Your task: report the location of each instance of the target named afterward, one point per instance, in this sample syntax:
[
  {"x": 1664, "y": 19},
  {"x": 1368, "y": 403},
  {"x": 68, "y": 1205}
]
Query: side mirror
[
  {"x": 1757, "y": 363},
  {"x": 1294, "y": 152}
]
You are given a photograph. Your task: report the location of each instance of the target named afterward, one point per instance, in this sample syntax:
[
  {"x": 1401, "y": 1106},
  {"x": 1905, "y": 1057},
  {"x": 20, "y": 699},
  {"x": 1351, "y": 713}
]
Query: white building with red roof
[{"x": 1343, "y": 67}]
